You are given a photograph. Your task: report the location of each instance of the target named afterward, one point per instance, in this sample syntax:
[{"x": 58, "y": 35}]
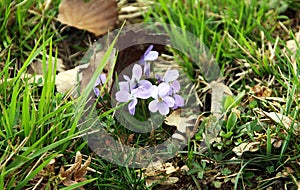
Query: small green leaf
[
  {"x": 226, "y": 135},
  {"x": 231, "y": 122},
  {"x": 229, "y": 100}
]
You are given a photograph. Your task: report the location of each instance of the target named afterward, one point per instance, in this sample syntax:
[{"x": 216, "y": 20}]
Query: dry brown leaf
[
  {"x": 81, "y": 172},
  {"x": 184, "y": 168},
  {"x": 292, "y": 44},
  {"x": 261, "y": 91},
  {"x": 186, "y": 123},
  {"x": 92, "y": 66},
  {"x": 157, "y": 168},
  {"x": 276, "y": 143},
  {"x": 244, "y": 147},
  {"x": 175, "y": 119},
  {"x": 37, "y": 66},
  {"x": 158, "y": 172},
  {"x": 161, "y": 181},
  {"x": 280, "y": 118},
  {"x": 68, "y": 80},
  {"x": 218, "y": 91},
  {"x": 76, "y": 172},
  {"x": 96, "y": 16}
]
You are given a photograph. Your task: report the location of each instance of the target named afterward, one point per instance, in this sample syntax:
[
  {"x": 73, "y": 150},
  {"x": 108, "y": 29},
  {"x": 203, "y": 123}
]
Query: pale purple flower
[
  {"x": 100, "y": 80},
  {"x": 125, "y": 96},
  {"x": 171, "y": 77},
  {"x": 148, "y": 56},
  {"x": 179, "y": 101},
  {"x": 133, "y": 88},
  {"x": 162, "y": 100},
  {"x": 139, "y": 87}
]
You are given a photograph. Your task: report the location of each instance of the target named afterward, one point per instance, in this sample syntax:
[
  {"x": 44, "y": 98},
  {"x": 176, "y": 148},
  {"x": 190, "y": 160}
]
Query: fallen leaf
[
  {"x": 95, "y": 59},
  {"x": 36, "y": 67},
  {"x": 184, "y": 168},
  {"x": 246, "y": 147},
  {"x": 69, "y": 80},
  {"x": 156, "y": 168},
  {"x": 76, "y": 172},
  {"x": 292, "y": 44},
  {"x": 159, "y": 173},
  {"x": 280, "y": 118},
  {"x": 96, "y": 16},
  {"x": 218, "y": 91},
  {"x": 261, "y": 91},
  {"x": 182, "y": 123}
]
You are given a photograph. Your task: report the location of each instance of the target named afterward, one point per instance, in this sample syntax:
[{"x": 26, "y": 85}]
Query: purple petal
[
  {"x": 175, "y": 86},
  {"x": 126, "y": 77},
  {"x": 163, "y": 89},
  {"x": 96, "y": 91},
  {"x": 124, "y": 86},
  {"x": 169, "y": 101},
  {"x": 145, "y": 84},
  {"x": 163, "y": 108},
  {"x": 131, "y": 106},
  {"x": 102, "y": 78},
  {"x": 148, "y": 50},
  {"x": 159, "y": 78},
  {"x": 122, "y": 96},
  {"x": 171, "y": 75},
  {"x": 136, "y": 72},
  {"x": 179, "y": 101},
  {"x": 147, "y": 69},
  {"x": 151, "y": 56},
  {"x": 98, "y": 81},
  {"x": 153, "y": 106},
  {"x": 154, "y": 91},
  {"x": 142, "y": 93}
]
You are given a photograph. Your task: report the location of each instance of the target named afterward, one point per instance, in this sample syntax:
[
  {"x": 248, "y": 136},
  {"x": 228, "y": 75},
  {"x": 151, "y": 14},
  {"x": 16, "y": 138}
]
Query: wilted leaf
[
  {"x": 261, "y": 91},
  {"x": 36, "y": 67},
  {"x": 182, "y": 123},
  {"x": 218, "y": 91},
  {"x": 94, "y": 62},
  {"x": 69, "y": 80},
  {"x": 158, "y": 172},
  {"x": 170, "y": 181},
  {"x": 156, "y": 168},
  {"x": 292, "y": 44},
  {"x": 76, "y": 172},
  {"x": 96, "y": 16},
  {"x": 80, "y": 173},
  {"x": 280, "y": 118},
  {"x": 244, "y": 147}
]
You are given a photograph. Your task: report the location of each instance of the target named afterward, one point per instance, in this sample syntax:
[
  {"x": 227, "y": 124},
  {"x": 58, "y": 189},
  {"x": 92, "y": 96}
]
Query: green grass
[
  {"x": 237, "y": 33},
  {"x": 39, "y": 124}
]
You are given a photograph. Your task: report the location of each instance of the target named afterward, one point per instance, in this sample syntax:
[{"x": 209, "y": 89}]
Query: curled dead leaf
[
  {"x": 76, "y": 172},
  {"x": 282, "y": 119},
  {"x": 261, "y": 91},
  {"x": 182, "y": 123},
  {"x": 96, "y": 16},
  {"x": 36, "y": 67},
  {"x": 244, "y": 147},
  {"x": 159, "y": 173},
  {"x": 292, "y": 44}
]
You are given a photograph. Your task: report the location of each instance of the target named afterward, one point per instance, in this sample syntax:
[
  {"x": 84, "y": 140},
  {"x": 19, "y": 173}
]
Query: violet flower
[
  {"x": 162, "y": 100},
  {"x": 171, "y": 77},
  {"x": 148, "y": 56},
  {"x": 134, "y": 88},
  {"x": 100, "y": 80},
  {"x": 179, "y": 101}
]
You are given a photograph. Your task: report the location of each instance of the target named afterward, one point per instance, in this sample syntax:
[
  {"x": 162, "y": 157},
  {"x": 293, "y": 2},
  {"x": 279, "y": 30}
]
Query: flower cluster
[{"x": 163, "y": 93}]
